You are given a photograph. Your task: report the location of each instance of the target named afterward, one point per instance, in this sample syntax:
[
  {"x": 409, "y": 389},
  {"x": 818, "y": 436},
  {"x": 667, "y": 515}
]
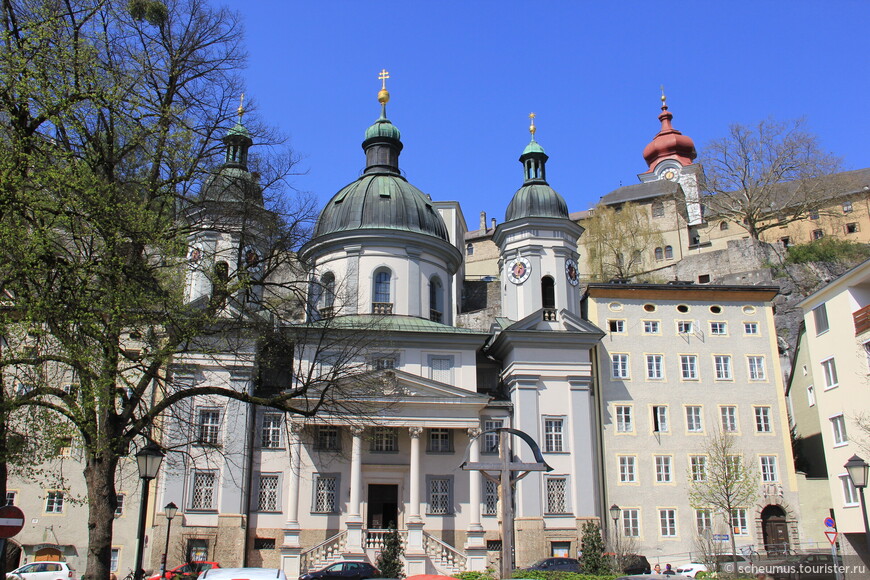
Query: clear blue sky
[{"x": 466, "y": 74}]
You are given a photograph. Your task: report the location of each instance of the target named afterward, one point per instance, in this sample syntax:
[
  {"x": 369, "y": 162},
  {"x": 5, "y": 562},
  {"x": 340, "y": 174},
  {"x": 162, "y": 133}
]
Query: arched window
[
  {"x": 723, "y": 226},
  {"x": 669, "y": 253},
  {"x": 382, "y": 304},
  {"x": 469, "y": 249},
  {"x": 658, "y": 209},
  {"x": 660, "y": 254},
  {"x": 436, "y": 299},
  {"x": 548, "y": 292},
  {"x": 327, "y": 294}
]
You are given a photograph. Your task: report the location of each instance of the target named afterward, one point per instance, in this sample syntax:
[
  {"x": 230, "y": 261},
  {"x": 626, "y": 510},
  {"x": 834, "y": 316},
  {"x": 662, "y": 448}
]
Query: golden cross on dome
[
  {"x": 241, "y": 109},
  {"x": 383, "y": 76},
  {"x": 532, "y": 128}
]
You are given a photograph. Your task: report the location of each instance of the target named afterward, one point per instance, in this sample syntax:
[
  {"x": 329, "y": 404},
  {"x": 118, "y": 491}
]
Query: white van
[{"x": 243, "y": 574}]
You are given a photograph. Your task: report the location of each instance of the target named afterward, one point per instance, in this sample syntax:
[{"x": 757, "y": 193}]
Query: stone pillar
[
  {"x": 291, "y": 550},
  {"x": 415, "y": 553},
  {"x": 354, "y": 549},
  {"x": 475, "y": 544}
]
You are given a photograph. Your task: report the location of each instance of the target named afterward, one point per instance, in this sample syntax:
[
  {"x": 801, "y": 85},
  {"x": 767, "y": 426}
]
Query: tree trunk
[{"x": 100, "y": 476}]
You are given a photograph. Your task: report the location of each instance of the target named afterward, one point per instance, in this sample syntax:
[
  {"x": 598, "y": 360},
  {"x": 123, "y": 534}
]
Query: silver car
[{"x": 42, "y": 571}]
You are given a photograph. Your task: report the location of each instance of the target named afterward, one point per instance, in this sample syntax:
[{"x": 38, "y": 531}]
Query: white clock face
[
  {"x": 671, "y": 174},
  {"x": 519, "y": 270},
  {"x": 571, "y": 272}
]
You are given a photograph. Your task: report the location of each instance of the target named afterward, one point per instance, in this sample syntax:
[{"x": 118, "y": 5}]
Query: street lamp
[
  {"x": 615, "y": 511},
  {"x": 171, "y": 509},
  {"x": 857, "y": 469},
  {"x": 148, "y": 459}
]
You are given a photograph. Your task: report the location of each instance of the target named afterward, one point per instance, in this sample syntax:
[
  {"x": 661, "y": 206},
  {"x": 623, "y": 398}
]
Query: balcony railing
[
  {"x": 434, "y": 315},
  {"x": 382, "y": 307},
  {"x": 862, "y": 320},
  {"x": 550, "y": 314}
]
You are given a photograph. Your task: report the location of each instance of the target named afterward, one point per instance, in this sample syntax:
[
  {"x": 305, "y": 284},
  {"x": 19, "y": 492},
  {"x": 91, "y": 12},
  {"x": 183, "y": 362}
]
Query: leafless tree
[{"x": 618, "y": 241}]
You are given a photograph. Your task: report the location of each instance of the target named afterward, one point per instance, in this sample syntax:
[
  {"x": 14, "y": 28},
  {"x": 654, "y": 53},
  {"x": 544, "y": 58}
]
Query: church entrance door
[{"x": 383, "y": 504}]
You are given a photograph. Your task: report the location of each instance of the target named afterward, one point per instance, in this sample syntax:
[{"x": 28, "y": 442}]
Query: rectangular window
[
  {"x": 850, "y": 494},
  {"x": 325, "y": 494},
  {"x": 267, "y": 500},
  {"x": 385, "y": 440},
  {"x": 630, "y": 522},
  {"x": 439, "y": 495},
  {"x": 553, "y": 435},
  {"x": 756, "y": 368},
  {"x": 852, "y": 228},
  {"x": 119, "y": 506},
  {"x": 490, "y": 440},
  {"x": 698, "y": 465},
  {"x": 624, "y": 423},
  {"x": 762, "y": 420},
  {"x": 739, "y": 522},
  {"x": 440, "y": 441},
  {"x": 328, "y": 438},
  {"x": 654, "y": 366},
  {"x": 722, "y": 362},
  {"x": 663, "y": 469},
  {"x": 441, "y": 369},
  {"x": 811, "y": 396},
  {"x": 208, "y": 426},
  {"x": 113, "y": 563},
  {"x": 264, "y": 543},
  {"x": 750, "y": 328},
  {"x": 383, "y": 363},
  {"x": 830, "y": 369},
  {"x": 847, "y": 207},
  {"x": 54, "y": 502},
  {"x": 627, "y": 473},
  {"x": 557, "y": 495},
  {"x": 10, "y": 497},
  {"x": 616, "y": 326},
  {"x": 718, "y": 328},
  {"x": 660, "y": 419},
  {"x": 733, "y": 464},
  {"x": 693, "y": 419},
  {"x": 703, "y": 520},
  {"x": 668, "y": 523},
  {"x": 270, "y": 437},
  {"x": 684, "y": 327},
  {"x": 619, "y": 366},
  {"x": 838, "y": 424},
  {"x": 689, "y": 366},
  {"x": 490, "y": 498},
  {"x": 729, "y": 419},
  {"x": 202, "y": 495},
  {"x": 651, "y": 326},
  {"x": 769, "y": 473},
  {"x": 820, "y": 317}
]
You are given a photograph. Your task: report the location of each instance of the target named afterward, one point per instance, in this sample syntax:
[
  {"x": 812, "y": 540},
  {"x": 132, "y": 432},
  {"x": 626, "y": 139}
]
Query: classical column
[
  {"x": 475, "y": 544},
  {"x": 354, "y": 548},
  {"x": 414, "y": 507},
  {"x": 291, "y": 550},
  {"x": 415, "y": 554}
]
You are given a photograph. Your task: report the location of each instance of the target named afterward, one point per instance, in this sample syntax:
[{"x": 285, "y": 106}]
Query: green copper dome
[
  {"x": 383, "y": 128},
  {"x": 533, "y": 147},
  {"x": 238, "y": 130},
  {"x": 535, "y": 198}
]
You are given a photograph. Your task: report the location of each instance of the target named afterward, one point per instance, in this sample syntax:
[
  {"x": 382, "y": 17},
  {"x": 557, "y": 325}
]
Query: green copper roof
[
  {"x": 381, "y": 201},
  {"x": 239, "y": 130},
  {"x": 392, "y": 323},
  {"x": 536, "y": 199},
  {"x": 383, "y": 128},
  {"x": 533, "y": 147}
]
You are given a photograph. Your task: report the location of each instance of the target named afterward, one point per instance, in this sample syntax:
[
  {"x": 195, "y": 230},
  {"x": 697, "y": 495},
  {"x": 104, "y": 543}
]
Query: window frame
[
  {"x": 631, "y": 522},
  {"x": 756, "y": 367},
  {"x": 275, "y": 493},
  {"x": 698, "y": 468},
  {"x": 215, "y": 486},
  {"x": 655, "y": 367},
  {"x": 689, "y": 367},
  {"x": 270, "y": 433},
  {"x": 664, "y": 468},
  {"x": 668, "y": 522},
  {"x": 491, "y": 440},
  {"x": 660, "y": 416},
  {"x": 627, "y": 468},
  {"x": 768, "y": 468},
  {"x": 449, "y": 509},
  {"x": 619, "y": 361},
  {"x": 450, "y": 372},
  {"x": 54, "y": 501},
  {"x": 384, "y": 440},
  {"x": 838, "y": 426},
  {"x": 724, "y": 371},
  {"x": 703, "y": 520},
  {"x": 444, "y": 443},
  {"x": 327, "y": 438},
  {"x": 616, "y": 325},
  {"x": 624, "y": 418},
  {"x": 820, "y": 319},
  {"x": 554, "y": 440},
  {"x": 850, "y": 492},
  {"x": 750, "y": 328},
  {"x": 829, "y": 369},
  {"x": 735, "y": 422},
  {"x": 317, "y": 492},
  {"x": 652, "y": 327},
  {"x": 694, "y": 413},
  {"x": 718, "y": 328},
  {"x": 208, "y": 434},
  {"x": 566, "y": 495},
  {"x": 739, "y": 516},
  {"x": 763, "y": 423}
]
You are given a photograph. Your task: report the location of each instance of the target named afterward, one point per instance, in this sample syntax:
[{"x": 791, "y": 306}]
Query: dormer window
[
  {"x": 382, "y": 302},
  {"x": 436, "y": 300}
]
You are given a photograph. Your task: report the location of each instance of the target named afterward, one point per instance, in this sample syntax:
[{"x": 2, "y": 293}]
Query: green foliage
[
  {"x": 558, "y": 575},
  {"x": 488, "y": 574},
  {"x": 828, "y": 250},
  {"x": 153, "y": 12},
  {"x": 390, "y": 559},
  {"x": 592, "y": 559}
]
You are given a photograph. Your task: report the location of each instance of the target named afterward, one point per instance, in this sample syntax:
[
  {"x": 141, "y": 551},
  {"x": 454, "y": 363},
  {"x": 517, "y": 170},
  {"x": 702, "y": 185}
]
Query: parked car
[
  {"x": 42, "y": 571},
  {"x": 691, "y": 569},
  {"x": 557, "y": 564},
  {"x": 242, "y": 574},
  {"x": 343, "y": 571},
  {"x": 190, "y": 569},
  {"x": 636, "y": 564},
  {"x": 806, "y": 567}
]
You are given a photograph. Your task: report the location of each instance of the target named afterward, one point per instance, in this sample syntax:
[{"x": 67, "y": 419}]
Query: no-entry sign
[{"x": 11, "y": 521}]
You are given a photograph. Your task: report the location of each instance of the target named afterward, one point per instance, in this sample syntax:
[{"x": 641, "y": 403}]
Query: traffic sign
[
  {"x": 832, "y": 537},
  {"x": 829, "y": 523},
  {"x": 11, "y": 521},
  {"x": 720, "y": 537}
]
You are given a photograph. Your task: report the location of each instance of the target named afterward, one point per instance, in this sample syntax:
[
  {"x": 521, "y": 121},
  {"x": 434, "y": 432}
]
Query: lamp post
[
  {"x": 857, "y": 469},
  {"x": 171, "y": 509},
  {"x": 615, "y": 512},
  {"x": 148, "y": 459}
]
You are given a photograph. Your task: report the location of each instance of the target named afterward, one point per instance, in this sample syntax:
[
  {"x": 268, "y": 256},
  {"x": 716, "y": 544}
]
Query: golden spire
[
  {"x": 532, "y": 127},
  {"x": 241, "y": 109},
  {"x": 383, "y": 94},
  {"x": 664, "y": 99}
]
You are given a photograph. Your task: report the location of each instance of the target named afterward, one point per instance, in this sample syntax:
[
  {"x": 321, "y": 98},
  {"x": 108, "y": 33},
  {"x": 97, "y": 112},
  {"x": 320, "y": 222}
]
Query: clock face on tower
[
  {"x": 519, "y": 270},
  {"x": 571, "y": 272}
]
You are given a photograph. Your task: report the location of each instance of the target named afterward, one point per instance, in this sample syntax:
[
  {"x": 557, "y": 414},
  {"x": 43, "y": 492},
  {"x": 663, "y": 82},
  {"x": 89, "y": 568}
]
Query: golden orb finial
[
  {"x": 532, "y": 127},
  {"x": 383, "y": 94},
  {"x": 241, "y": 109}
]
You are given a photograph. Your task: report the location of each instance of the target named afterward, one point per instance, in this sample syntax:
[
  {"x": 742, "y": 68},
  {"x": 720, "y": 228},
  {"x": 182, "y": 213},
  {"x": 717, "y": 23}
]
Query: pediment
[
  {"x": 566, "y": 321},
  {"x": 410, "y": 388}
]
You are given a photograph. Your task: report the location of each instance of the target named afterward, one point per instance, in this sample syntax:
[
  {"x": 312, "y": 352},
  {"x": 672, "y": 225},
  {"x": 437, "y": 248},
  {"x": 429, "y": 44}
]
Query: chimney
[
  {"x": 483, "y": 221},
  {"x": 493, "y": 223}
]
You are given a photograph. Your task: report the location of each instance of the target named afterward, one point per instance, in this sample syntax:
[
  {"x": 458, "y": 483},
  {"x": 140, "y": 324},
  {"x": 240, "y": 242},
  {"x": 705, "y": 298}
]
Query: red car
[{"x": 189, "y": 570}]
